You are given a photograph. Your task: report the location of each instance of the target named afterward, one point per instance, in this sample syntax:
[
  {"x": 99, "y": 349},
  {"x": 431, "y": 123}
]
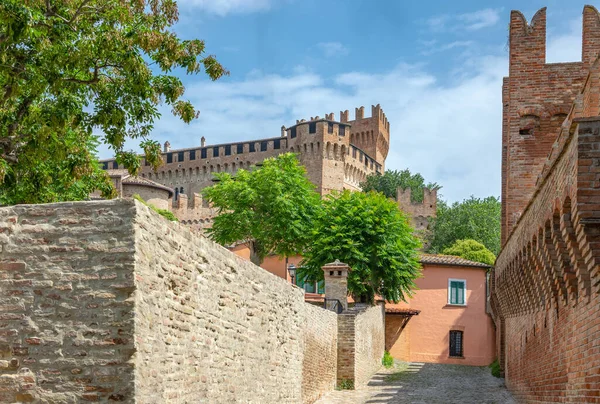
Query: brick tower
[
  {"x": 372, "y": 135},
  {"x": 536, "y": 98}
]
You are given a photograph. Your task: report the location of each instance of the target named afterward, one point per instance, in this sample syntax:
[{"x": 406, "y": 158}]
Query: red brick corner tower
[{"x": 536, "y": 98}]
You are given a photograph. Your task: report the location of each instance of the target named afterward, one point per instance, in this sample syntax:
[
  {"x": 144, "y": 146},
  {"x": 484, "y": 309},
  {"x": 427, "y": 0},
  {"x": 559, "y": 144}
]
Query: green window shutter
[
  {"x": 309, "y": 287},
  {"x": 461, "y": 293},
  {"x": 300, "y": 282},
  {"x": 321, "y": 287},
  {"x": 457, "y": 292}
]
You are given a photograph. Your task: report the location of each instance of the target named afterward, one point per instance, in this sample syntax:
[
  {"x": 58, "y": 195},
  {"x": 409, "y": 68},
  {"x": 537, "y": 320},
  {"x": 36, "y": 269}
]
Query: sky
[{"x": 435, "y": 67}]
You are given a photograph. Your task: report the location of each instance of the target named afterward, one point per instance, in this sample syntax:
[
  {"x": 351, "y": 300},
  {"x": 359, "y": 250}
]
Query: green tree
[
  {"x": 269, "y": 209},
  {"x": 70, "y": 66},
  {"x": 390, "y": 181},
  {"x": 369, "y": 233},
  {"x": 474, "y": 218},
  {"x": 471, "y": 250}
]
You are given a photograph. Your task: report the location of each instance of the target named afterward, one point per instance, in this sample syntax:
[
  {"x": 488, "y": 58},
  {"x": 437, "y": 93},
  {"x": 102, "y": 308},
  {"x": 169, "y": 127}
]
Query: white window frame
[{"x": 464, "y": 281}]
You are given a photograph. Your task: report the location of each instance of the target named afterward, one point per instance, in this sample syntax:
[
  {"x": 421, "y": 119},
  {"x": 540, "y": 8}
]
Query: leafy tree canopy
[
  {"x": 269, "y": 209},
  {"x": 68, "y": 67},
  {"x": 474, "y": 218},
  {"x": 369, "y": 233},
  {"x": 390, "y": 181},
  {"x": 471, "y": 250}
]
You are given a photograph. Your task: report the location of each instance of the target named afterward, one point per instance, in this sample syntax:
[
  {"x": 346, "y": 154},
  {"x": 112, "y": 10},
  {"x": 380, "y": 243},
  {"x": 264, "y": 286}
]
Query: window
[
  {"x": 263, "y": 146},
  {"x": 311, "y": 287},
  {"x": 146, "y": 163},
  {"x": 293, "y": 132},
  {"x": 105, "y": 165},
  {"x": 216, "y": 151},
  {"x": 115, "y": 165},
  {"x": 456, "y": 344},
  {"x": 180, "y": 156},
  {"x": 252, "y": 147},
  {"x": 457, "y": 291},
  {"x": 203, "y": 153},
  {"x": 330, "y": 128},
  {"x": 228, "y": 150},
  {"x": 169, "y": 158},
  {"x": 192, "y": 154},
  {"x": 342, "y": 130},
  {"x": 277, "y": 144},
  {"x": 312, "y": 127},
  {"x": 240, "y": 148},
  {"x": 354, "y": 152}
]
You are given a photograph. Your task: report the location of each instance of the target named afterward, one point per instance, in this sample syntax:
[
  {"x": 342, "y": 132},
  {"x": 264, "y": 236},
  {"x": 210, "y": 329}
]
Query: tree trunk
[{"x": 254, "y": 256}]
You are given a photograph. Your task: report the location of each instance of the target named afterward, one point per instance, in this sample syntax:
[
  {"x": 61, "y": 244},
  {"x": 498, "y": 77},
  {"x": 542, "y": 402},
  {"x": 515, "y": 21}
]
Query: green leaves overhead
[{"x": 70, "y": 67}]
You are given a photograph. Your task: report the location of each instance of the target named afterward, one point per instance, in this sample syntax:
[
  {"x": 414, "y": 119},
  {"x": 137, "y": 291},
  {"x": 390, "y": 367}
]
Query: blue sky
[{"x": 435, "y": 67}]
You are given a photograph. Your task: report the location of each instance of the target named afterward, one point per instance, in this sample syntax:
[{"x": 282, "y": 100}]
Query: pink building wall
[{"x": 426, "y": 336}]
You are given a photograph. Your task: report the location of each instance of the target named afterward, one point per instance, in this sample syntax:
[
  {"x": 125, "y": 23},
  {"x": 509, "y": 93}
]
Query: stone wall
[
  {"x": 361, "y": 343},
  {"x": 319, "y": 366},
  {"x": 107, "y": 300}
]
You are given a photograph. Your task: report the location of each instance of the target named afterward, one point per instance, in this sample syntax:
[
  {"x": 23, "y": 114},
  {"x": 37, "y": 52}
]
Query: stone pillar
[{"x": 336, "y": 282}]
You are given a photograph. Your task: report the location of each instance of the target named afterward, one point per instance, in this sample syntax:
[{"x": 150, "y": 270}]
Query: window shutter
[
  {"x": 461, "y": 292},
  {"x": 300, "y": 282},
  {"x": 321, "y": 287}
]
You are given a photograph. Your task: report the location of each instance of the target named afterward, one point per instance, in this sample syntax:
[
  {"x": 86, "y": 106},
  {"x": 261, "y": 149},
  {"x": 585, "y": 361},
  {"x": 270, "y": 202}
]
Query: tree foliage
[
  {"x": 69, "y": 67},
  {"x": 390, "y": 181},
  {"x": 471, "y": 250},
  {"x": 368, "y": 232},
  {"x": 474, "y": 218},
  {"x": 269, "y": 209}
]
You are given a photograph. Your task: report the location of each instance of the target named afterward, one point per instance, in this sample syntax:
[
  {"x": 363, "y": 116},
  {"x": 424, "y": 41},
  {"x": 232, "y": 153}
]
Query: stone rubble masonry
[
  {"x": 335, "y": 275},
  {"x": 108, "y": 301},
  {"x": 361, "y": 343}
]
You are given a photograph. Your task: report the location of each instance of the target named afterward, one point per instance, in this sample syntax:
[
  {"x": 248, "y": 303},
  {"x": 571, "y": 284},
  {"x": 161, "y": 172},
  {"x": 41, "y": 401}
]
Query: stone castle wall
[{"x": 106, "y": 300}]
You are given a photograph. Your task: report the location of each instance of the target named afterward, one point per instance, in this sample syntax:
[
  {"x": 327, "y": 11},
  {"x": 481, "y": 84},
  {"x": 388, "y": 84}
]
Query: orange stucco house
[{"x": 446, "y": 320}]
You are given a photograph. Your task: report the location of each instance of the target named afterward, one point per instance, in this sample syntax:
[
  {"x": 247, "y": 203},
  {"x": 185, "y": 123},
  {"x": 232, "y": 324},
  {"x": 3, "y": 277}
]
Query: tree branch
[{"x": 79, "y": 10}]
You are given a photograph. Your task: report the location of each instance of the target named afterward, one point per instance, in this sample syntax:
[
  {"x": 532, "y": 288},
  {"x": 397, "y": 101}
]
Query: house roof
[
  {"x": 440, "y": 259},
  {"x": 402, "y": 311},
  {"x": 128, "y": 179}
]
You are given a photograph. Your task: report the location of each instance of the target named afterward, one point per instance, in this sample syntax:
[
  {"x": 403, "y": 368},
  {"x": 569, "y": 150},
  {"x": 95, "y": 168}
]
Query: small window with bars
[
  {"x": 228, "y": 150},
  {"x": 312, "y": 127},
  {"x": 203, "y": 153},
  {"x": 240, "y": 148},
  {"x": 169, "y": 158},
  {"x": 456, "y": 344},
  {"x": 457, "y": 291},
  {"x": 263, "y": 146},
  {"x": 192, "y": 154}
]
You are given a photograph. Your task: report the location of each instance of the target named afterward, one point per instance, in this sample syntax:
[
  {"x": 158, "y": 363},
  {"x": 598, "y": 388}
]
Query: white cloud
[
  {"x": 224, "y": 7},
  {"x": 567, "y": 46},
  {"x": 465, "y": 22},
  {"x": 331, "y": 49},
  {"x": 432, "y": 47}
]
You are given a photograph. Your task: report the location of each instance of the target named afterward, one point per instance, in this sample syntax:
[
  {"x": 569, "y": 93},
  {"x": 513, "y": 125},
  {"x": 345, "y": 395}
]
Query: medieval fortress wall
[{"x": 106, "y": 300}]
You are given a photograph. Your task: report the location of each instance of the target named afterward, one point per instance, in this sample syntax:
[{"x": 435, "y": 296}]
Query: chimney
[
  {"x": 167, "y": 147},
  {"x": 202, "y": 141},
  {"x": 336, "y": 283},
  {"x": 283, "y": 133}
]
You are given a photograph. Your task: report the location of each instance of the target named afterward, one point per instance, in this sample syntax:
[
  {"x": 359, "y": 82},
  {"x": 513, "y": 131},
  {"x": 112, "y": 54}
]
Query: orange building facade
[{"x": 446, "y": 320}]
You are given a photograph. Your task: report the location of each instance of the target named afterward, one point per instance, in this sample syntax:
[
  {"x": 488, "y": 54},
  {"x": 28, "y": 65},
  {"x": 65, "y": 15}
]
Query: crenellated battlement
[{"x": 528, "y": 39}]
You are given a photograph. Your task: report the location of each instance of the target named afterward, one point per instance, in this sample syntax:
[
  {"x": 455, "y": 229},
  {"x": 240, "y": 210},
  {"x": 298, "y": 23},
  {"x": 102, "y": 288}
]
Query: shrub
[
  {"x": 345, "y": 384},
  {"x": 163, "y": 212},
  {"x": 495, "y": 367},
  {"x": 471, "y": 250},
  {"x": 387, "y": 360}
]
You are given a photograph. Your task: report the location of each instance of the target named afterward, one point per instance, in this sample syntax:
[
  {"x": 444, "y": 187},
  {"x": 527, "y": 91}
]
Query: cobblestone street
[{"x": 425, "y": 383}]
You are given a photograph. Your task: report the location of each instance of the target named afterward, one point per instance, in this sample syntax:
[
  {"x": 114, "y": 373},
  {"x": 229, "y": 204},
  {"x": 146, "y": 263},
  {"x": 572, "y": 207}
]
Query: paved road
[{"x": 425, "y": 383}]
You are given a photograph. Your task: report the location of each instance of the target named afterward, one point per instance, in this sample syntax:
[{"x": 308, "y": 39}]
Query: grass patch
[
  {"x": 387, "y": 360},
  {"x": 345, "y": 384},
  {"x": 495, "y": 367},
  {"x": 163, "y": 212}
]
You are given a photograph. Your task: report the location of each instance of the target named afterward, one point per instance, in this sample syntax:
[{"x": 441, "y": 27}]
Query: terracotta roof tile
[
  {"x": 440, "y": 259},
  {"x": 407, "y": 312},
  {"x": 145, "y": 181}
]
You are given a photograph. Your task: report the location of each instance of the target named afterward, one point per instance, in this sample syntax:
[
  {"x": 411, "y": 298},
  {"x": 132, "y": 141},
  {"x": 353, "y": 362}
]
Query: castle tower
[
  {"x": 536, "y": 98},
  {"x": 322, "y": 146},
  {"x": 372, "y": 134},
  {"x": 421, "y": 214}
]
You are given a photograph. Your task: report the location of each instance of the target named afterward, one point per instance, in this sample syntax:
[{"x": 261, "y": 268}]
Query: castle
[
  {"x": 545, "y": 297},
  {"x": 337, "y": 155}
]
